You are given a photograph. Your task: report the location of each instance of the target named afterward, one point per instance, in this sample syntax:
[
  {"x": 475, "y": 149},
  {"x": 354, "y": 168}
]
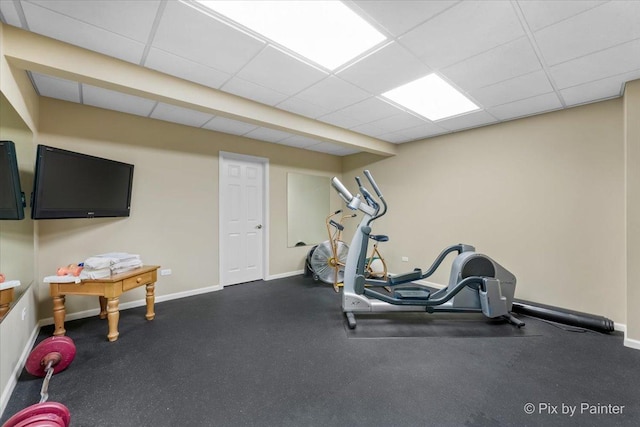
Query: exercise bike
[
  {"x": 477, "y": 284},
  {"x": 326, "y": 261}
]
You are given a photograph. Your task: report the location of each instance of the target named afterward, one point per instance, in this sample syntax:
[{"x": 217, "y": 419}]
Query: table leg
[
  {"x": 58, "y": 315},
  {"x": 113, "y": 316},
  {"x": 6, "y": 296},
  {"x": 4, "y": 309},
  {"x": 103, "y": 307},
  {"x": 150, "y": 301}
]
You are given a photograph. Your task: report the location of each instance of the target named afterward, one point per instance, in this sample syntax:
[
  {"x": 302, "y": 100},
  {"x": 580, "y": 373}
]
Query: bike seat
[
  {"x": 337, "y": 225},
  {"x": 379, "y": 237}
]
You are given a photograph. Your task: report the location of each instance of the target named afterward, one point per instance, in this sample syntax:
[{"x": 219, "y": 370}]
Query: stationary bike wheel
[{"x": 324, "y": 264}]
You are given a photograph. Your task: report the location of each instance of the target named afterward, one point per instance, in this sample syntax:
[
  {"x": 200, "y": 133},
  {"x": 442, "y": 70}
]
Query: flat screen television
[
  {"x": 11, "y": 196},
  {"x": 75, "y": 185}
]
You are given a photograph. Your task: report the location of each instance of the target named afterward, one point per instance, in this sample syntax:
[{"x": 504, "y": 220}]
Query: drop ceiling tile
[
  {"x": 54, "y": 87},
  {"x": 609, "y": 87},
  {"x": 234, "y": 127},
  {"x": 81, "y": 34},
  {"x": 370, "y": 110},
  {"x": 464, "y": 30},
  {"x": 385, "y": 69},
  {"x": 279, "y": 71},
  {"x": 191, "y": 34},
  {"x": 369, "y": 129},
  {"x": 184, "y": 116},
  {"x": 266, "y": 134},
  {"x": 425, "y": 130},
  {"x": 177, "y": 66},
  {"x": 541, "y": 13},
  {"x": 394, "y": 138},
  {"x": 466, "y": 121},
  {"x": 599, "y": 28},
  {"x": 400, "y": 121},
  {"x": 605, "y": 63},
  {"x": 11, "y": 17},
  {"x": 527, "y": 107},
  {"x": 501, "y": 63},
  {"x": 118, "y": 101},
  {"x": 340, "y": 119},
  {"x": 332, "y": 94},
  {"x": 253, "y": 91},
  {"x": 304, "y": 108},
  {"x": 132, "y": 19},
  {"x": 299, "y": 141},
  {"x": 510, "y": 90},
  {"x": 399, "y": 16}
]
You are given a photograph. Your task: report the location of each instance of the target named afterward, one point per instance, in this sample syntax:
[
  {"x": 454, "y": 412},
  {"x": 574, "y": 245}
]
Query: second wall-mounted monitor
[
  {"x": 75, "y": 185},
  {"x": 11, "y": 196}
]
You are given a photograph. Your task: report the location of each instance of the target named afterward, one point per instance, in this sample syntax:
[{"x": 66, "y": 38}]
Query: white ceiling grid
[{"x": 512, "y": 58}]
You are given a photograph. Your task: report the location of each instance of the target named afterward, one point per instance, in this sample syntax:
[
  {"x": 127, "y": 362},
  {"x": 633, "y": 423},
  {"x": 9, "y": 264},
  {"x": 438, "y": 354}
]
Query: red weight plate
[
  {"x": 42, "y": 420},
  {"x": 53, "y": 412},
  {"x": 62, "y": 347}
]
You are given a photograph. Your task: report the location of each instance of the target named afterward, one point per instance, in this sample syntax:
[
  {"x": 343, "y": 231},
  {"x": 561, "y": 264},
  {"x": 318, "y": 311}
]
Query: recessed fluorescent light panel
[
  {"x": 431, "y": 97},
  {"x": 325, "y": 32}
]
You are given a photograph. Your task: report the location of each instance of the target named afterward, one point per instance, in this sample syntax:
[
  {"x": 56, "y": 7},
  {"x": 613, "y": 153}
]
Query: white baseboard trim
[
  {"x": 635, "y": 344},
  {"x": 177, "y": 295},
  {"x": 620, "y": 327},
  {"x": 17, "y": 369},
  {"x": 136, "y": 303},
  {"x": 162, "y": 298},
  {"x": 283, "y": 275}
]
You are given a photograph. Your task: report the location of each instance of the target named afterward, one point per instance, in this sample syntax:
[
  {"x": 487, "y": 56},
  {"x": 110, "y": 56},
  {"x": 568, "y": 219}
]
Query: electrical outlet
[
  {"x": 165, "y": 272},
  {"x": 405, "y": 259}
]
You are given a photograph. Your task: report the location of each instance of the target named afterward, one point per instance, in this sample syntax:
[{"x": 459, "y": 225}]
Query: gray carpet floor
[{"x": 279, "y": 353}]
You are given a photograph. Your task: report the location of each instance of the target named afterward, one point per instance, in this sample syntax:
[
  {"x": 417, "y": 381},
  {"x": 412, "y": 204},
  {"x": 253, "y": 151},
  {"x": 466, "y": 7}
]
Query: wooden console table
[
  {"x": 108, "y": 290},
  {"x": 6, "y": 296}
]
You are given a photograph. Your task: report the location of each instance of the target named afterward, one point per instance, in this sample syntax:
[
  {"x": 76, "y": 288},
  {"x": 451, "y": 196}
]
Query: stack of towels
[{"x": 104, "y": 265}]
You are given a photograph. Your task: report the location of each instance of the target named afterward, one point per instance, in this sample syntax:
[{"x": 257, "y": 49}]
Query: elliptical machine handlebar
[
  {"x": 373, "y": 183},
  {"x": 372, "y": 207},
  {"x": 342, "y": 190},
  {"x": 367, "y": 196},
  {"x": 377, "y": 191}
]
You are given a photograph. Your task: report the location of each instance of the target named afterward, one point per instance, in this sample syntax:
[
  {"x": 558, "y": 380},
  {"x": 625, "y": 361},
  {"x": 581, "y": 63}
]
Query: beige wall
[
  {"x": 632, "y": 152},
  {"x": 544, "y": 196},
  {"x": 174, "y": 214},
  {"x": 16, "y": 237},
  {"x": 17, "y": 257}
]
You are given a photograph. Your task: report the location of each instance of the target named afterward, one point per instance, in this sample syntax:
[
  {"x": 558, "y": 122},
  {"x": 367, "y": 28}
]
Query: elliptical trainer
[{"x": 476, "y": 283}]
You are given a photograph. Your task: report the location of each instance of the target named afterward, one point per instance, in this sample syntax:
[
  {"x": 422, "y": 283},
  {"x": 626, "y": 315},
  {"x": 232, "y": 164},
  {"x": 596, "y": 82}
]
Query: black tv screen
[
  {"x": 11, "y": 195},
  {"x": 74, "y": 185}
]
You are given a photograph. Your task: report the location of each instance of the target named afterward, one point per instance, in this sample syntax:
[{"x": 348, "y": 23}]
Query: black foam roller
[{"x": 567, "y": 317}]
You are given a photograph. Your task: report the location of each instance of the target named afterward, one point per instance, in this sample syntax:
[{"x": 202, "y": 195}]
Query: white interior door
[{"x": 242, "y": 213}]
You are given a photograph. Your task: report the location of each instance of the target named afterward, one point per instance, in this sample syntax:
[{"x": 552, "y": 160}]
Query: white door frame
[{"x": 225, "y": 155}]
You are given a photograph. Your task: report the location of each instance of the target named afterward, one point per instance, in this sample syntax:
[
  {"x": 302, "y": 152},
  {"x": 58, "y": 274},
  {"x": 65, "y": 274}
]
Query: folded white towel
[
  {"x": 119, "y": 256},
  {"x": 123, "y": 269},
  {"x": 9, "y": 284},
  {"x": 124, "y": 264},
  {"x": 97, "y": 262},
  {"x": 62, "y": 279},
  {"x": 88, "y": 274}
]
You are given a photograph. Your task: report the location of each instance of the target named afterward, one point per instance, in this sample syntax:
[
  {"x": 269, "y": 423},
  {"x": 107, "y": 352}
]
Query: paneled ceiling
[{"x": 512, "y": 58}]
